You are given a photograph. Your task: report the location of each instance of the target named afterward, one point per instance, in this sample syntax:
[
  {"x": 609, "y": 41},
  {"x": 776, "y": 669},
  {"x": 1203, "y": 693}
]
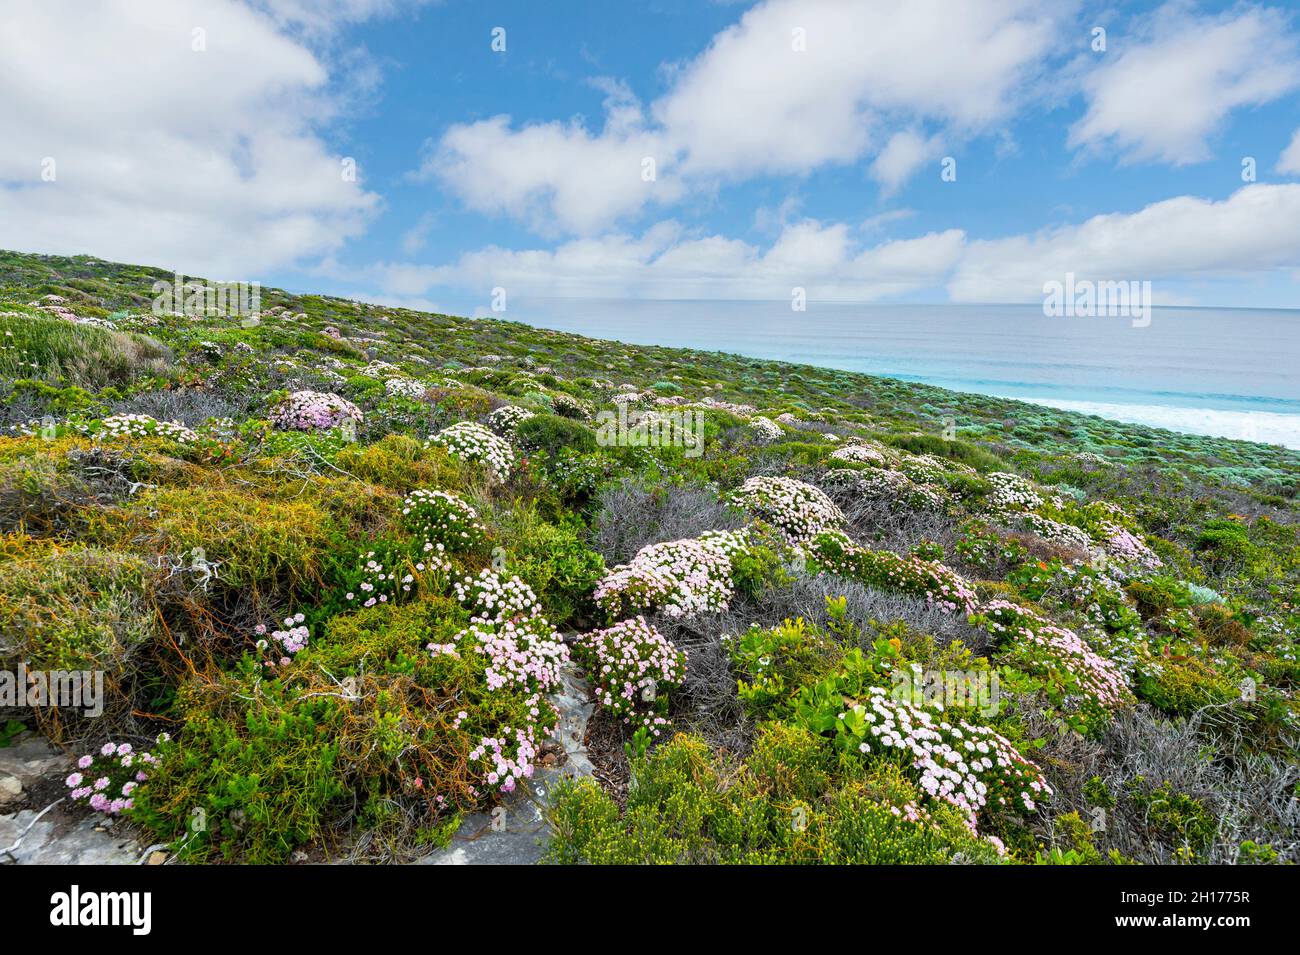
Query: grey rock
[
  {"x": 516, "y": 831},
  {"x": 59, "y": 839},
  {"x": 25, "y": 760}
]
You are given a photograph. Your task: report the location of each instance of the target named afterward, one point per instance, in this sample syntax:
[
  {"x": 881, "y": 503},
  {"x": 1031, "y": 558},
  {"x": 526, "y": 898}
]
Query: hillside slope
[{"x": 333, "y": 559}]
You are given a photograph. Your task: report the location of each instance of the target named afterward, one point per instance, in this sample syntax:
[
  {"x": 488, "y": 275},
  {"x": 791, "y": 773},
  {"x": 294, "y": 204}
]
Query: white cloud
[
  {"x": 905, "y": 152},
  {"x": 208, "y": 161},
  {"x": 1161, "y": 98},
  {"x": 1254, "y": 231},
  {"x": 1251, "y": 235},
  {"x": 753, "y": 104},
  {"x": 667, "y": 262},
  {"x": 1288, "y": 164}
]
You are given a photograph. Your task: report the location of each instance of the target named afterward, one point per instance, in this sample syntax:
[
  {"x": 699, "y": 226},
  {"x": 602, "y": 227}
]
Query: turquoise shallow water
[{"x": 1227, "y": 372}]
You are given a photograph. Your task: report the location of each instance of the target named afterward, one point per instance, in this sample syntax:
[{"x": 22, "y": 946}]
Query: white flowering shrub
[
  {"x": 143, "y": 426},
  {"x": 313, "y": 411},
  {"x": 473, "y": 442},
  {"x": 567, "y": 406},
  {"x": 440, "y": 517},
  {"x": 405, "y": 388},
  {"x": 859, "y": 454},
  {"x": 971, "y": 767},
  {"x": 632, "y": 667},
  {"x": 764, "y": 430},
  {"x": 799, "y": 510},
  {"x": 506, "y": 419},
  {"x": 1010, "y": 492}
]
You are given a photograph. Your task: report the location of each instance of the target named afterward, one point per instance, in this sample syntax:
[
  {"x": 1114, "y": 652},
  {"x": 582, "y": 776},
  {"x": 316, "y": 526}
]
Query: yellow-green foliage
[
  {"x": 74, "y": 608},
  {"x": 59, "y": 351},
  {"x": 791, "y": 801}
]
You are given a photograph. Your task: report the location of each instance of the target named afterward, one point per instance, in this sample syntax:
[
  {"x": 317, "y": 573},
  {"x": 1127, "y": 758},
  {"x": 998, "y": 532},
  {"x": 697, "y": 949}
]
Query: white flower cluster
[
  {"x": 1010, "y": 492},
  {"x": 764, "y": 430},
  {"x": 143, "y": 426},
  {"x": 405, "y": 388},
  {"x": 1056, "y": 532},
  {"x": 505, "y": 420},
  {"x": 473, "y": 442},
  {"x": 442, "y": 517},
  {"x": 799, "y": 510},
  {"x": 570, "y": 407},
  {"x": 859, "y": 454},
  {"x": 892, "y": 487},
  {"x": 968, "y": 766}
]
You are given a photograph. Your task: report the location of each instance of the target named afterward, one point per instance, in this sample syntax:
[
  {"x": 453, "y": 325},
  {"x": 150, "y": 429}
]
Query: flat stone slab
[
  {"x": 59, "y": 839},
  {"x": 516, "y": 831}
]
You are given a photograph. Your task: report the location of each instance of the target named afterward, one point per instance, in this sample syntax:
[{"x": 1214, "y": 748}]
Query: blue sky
[{"x": 796, "y": 143}]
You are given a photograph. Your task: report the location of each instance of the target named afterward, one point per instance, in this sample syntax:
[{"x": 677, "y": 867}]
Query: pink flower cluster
[
  {"x": 522, "y": 650},
  {"x": 631, "y": 665},
  {"x": 312, "y": 411},
  {"x": 970, "y": 767},
  {"x": 107, "y": 780},
  {"x": 506, "y": 769},
  {"x": 1101, "y": 679},
  {"x": 683, "y": 578},
  {"x": 1126, "y": 547}
]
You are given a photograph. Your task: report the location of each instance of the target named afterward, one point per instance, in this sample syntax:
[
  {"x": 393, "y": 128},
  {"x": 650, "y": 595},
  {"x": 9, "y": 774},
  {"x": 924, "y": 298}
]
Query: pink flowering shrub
[
  {"x": 1080, "y": 680},
  {"x": 523, "y": 654},
  {"x": 798, "y": 510},
  {"x": 106, "y": 780},
  {"x": 632, "y": 666},
  {"x": 473, "y": 442},
  {"x": 313, "y": 411},
  {"x": 683, "y": 578},
  {"x": 930, "y": 580}
]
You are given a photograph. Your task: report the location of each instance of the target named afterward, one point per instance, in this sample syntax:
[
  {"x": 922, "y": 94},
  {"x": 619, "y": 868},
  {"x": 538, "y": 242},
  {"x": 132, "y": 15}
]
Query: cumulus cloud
[
  {"x": 792, "y": 86},
  {"x": 123, "y": 139},
  {"x": 1288, "y": 164},
  {"x": 667, "y": 261},
  {"x": 1162, "y": 97},
  {"x": 1255, "y": 230},
  {"x": 905, "y": 152},
  {"x": 1252, "y": 233}
]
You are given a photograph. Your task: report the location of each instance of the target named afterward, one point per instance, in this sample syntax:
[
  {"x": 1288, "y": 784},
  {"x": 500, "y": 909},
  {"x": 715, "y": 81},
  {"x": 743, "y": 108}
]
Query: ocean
[{"x": 1231, "y": 373}]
